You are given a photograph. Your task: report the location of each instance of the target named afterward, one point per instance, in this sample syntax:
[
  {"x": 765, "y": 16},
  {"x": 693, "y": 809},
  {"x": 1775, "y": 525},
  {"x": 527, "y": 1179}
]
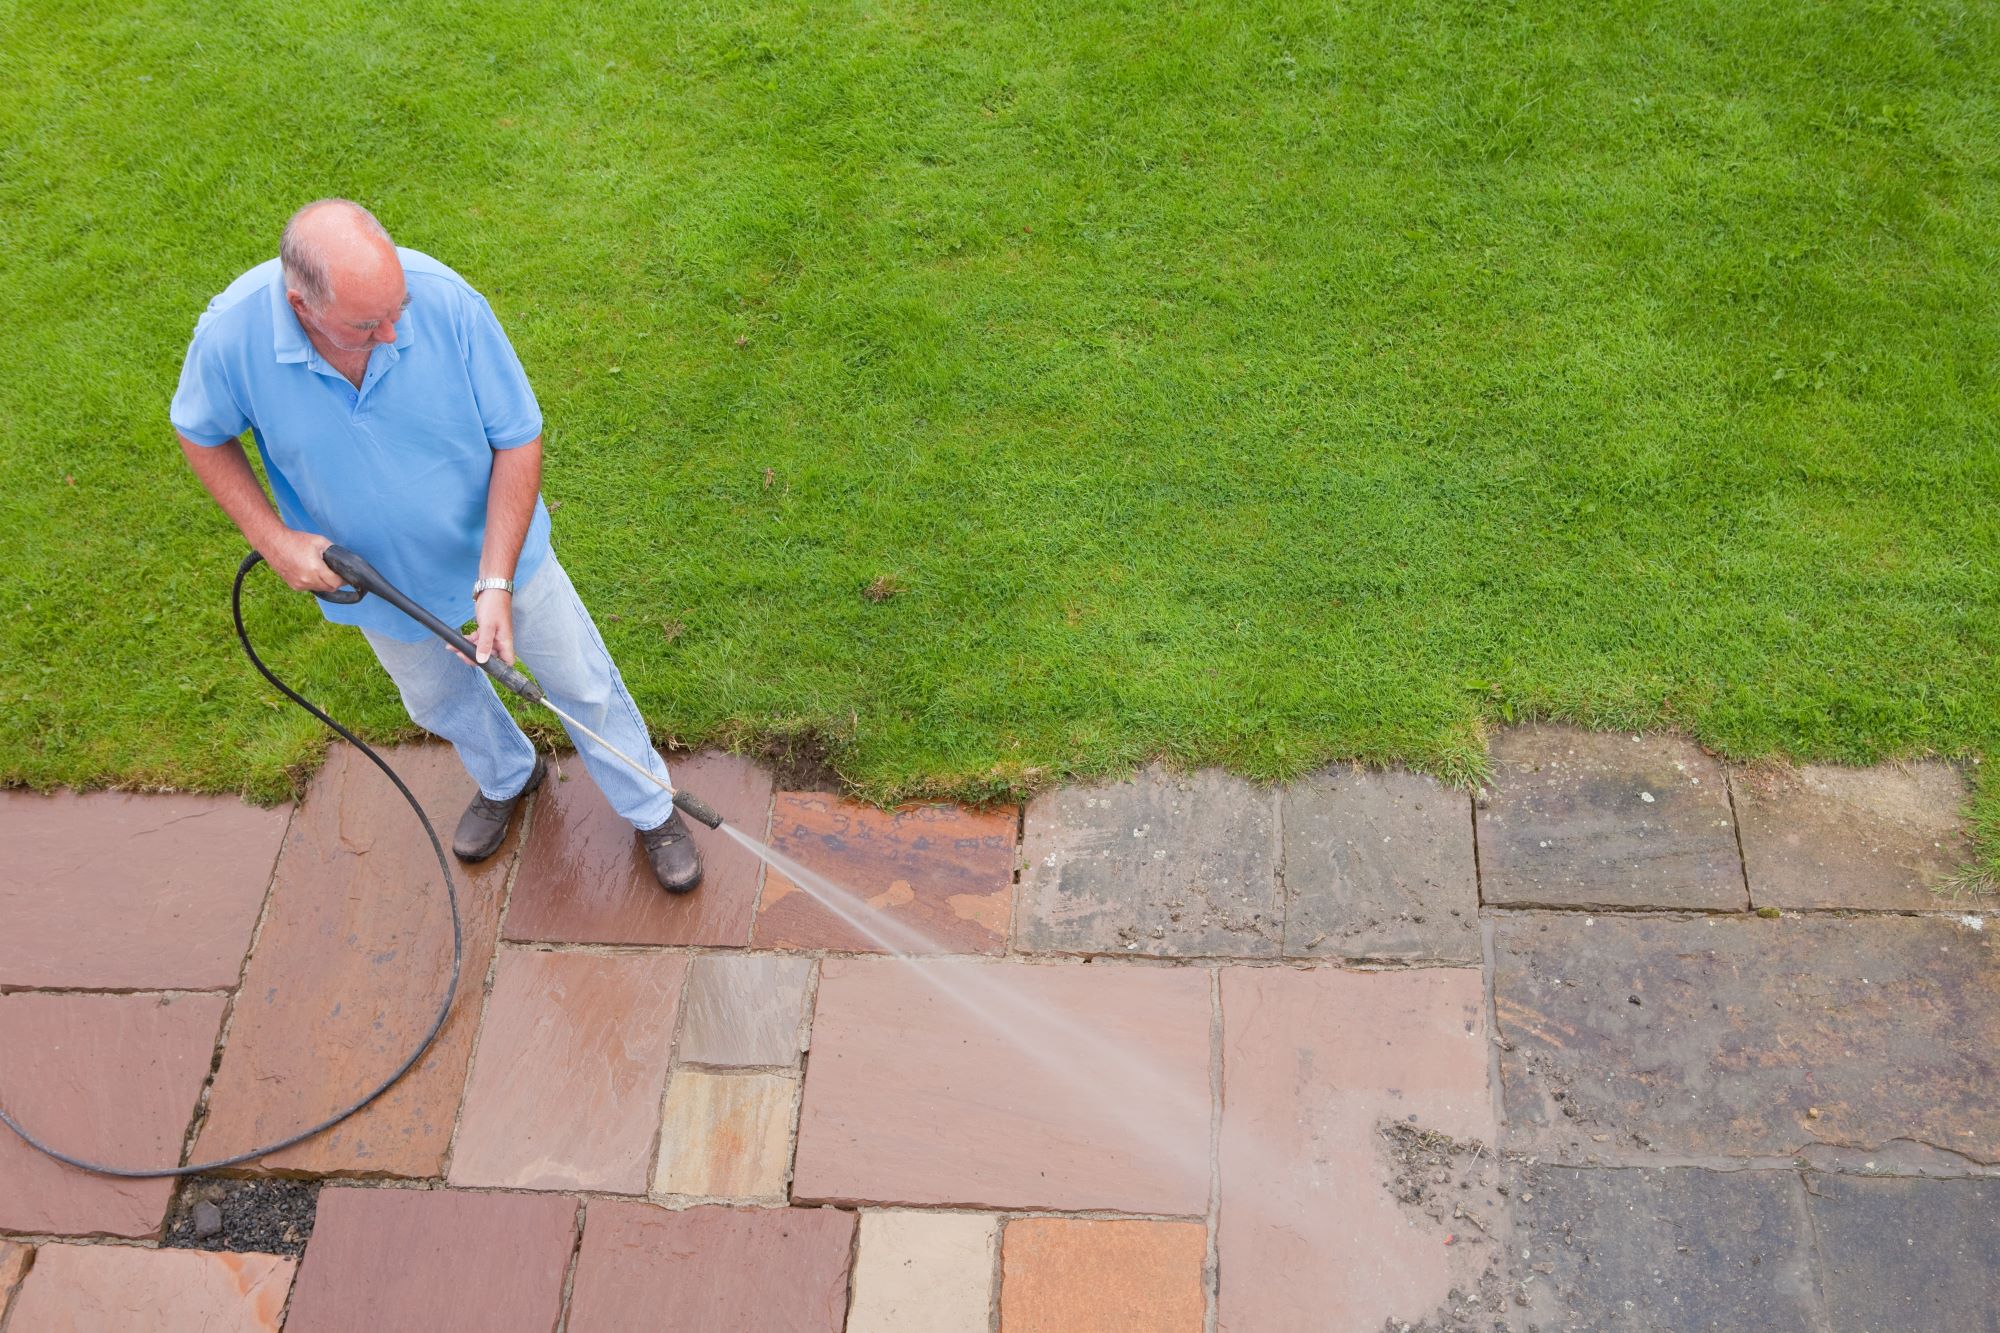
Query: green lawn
[{"x": 1249, "y": 383}]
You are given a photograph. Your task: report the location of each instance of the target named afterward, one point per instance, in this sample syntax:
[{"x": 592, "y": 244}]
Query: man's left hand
[{"x": 495, "y": 613}]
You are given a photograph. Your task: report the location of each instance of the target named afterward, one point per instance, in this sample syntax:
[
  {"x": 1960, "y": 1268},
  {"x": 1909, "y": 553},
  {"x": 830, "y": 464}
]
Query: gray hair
[{"x": 304, "y": 264}]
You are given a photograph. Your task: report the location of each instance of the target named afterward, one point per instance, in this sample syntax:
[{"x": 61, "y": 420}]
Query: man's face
[{"x": 361, "y": 313}]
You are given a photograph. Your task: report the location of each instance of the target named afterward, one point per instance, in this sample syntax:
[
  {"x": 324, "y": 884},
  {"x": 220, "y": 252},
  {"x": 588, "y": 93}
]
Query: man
[{"x": 394, "y": 418}]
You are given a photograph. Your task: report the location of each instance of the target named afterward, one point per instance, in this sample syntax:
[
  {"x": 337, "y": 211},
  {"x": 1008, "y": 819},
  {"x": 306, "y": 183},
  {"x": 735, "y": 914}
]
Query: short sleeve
[
  {"x": 205, "y": 408},
  {"x": 507, "y": 406}
]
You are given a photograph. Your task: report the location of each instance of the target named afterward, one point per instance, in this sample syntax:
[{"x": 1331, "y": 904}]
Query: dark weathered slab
[
  {"x": 1664, "y": 1249},
  {"x": 117, "y": 890},
  {"x": 434, "y": 1259},
  {"x": 1166, "y": 865},
  {"x": 1823, "y": 836},
  {"x": 1907, "y": 1253},
  {"x": 1606, "y": 819},
  {"x": 1378, "y": 865},
  {"x": 1743, "y": 1036},
  {"x": 777, "y": 1270}
]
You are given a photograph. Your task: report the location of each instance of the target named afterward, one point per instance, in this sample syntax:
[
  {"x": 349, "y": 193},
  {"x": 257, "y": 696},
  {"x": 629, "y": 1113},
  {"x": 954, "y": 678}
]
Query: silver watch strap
[{"x": 487, "y": 585}]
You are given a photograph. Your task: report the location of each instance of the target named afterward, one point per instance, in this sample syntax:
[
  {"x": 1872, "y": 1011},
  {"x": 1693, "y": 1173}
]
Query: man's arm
[
  {"x": 225, "y": 473},
  {"x": 510, "y": 508}
]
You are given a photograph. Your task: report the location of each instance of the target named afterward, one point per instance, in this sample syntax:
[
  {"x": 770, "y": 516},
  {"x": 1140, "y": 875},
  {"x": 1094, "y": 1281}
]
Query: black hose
[{"x": 444, "y": 1006}]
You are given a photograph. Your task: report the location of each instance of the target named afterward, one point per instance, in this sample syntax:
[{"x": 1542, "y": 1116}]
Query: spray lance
[{"x": 362, "y": 579}]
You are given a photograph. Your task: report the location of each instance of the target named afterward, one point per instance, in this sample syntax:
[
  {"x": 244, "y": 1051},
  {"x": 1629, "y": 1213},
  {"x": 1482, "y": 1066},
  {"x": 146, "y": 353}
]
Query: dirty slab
[
  {"x": 1169, "y": 865},
  {"x": 1824, "y": 836},
  {"x": 434, "y": 1259},
  {"x": 1682, "y": 1248},
  {"x": 267, "y": 1214},
  {"x": 1315, "y": 1064},
  {"x": 112, "y": 1078},
  {"x": 1079, "y": 1275},
  {"x": 776, "y": 1270},
  {"x": 119, "y": 890},
  {"x": 1088, "y": 1088},
  {"x": 744, "y": 1010},
  {"x": 924, "y": 1273},
  {"x": 1901, "y": 1253},
  {"x": 352, "y": 960},
  {"x": 573, "y": 1052},
  {"x": 107, "y": 1287},
  {"x": 1607, "y": 819},
  {"x": 923, "y": 878},
  {"x": 1627, "y": 1035},
  {"x": 1379, "y": 865},
  {"x": 584, "y": 877}
]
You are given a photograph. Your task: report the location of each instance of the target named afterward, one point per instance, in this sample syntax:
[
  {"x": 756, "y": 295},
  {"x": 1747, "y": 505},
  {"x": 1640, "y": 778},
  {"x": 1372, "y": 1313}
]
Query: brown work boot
[
  {"x": 483, "y": 826},
  {"x": 672, "y": 854}
]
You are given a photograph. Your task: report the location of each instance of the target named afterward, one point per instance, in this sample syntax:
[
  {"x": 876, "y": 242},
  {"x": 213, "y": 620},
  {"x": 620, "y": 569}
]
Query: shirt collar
[{"x": 288, "y": 337}]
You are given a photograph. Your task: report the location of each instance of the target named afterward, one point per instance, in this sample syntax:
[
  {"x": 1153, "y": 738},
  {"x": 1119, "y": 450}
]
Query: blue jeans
[{"x": 556, "y": 640}]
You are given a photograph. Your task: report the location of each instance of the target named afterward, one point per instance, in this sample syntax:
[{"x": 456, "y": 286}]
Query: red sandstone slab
[
  {"x": 354, "y": 954},
  {"x": 112, "y": 1078},
  {"x": 584, "y": 878},
  {"x": 572, "y": 1060},
  {"x": 434, "y": 1259},
  {"x": 925, "y": 878},
  {"x": 1008, "y": 1085},
  {"x": 1313, "y": 1064},
  {"x": 117, "y": 890},
  {"x": 110, "y": 1287},
  {"x": 1073, "y": 1275},
  {"x": 775, "y": 1270},
  {"x": 13, "y": 1263}
]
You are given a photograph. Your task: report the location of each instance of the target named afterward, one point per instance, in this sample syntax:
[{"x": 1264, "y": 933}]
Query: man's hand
[
  {"x": 495, "y": 613},
  {"x": 296, "y": 556}
]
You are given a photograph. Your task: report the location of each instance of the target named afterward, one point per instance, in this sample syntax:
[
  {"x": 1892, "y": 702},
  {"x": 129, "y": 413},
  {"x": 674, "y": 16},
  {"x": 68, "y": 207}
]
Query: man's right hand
[{"x": 296, "y": 557}]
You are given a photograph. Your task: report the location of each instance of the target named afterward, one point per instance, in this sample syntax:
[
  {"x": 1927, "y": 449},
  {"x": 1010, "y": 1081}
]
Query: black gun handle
[{"x": 367, "y": 578}]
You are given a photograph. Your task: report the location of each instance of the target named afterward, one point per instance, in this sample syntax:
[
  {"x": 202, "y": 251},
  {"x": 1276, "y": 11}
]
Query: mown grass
[{"x": 1246, "y": 383}]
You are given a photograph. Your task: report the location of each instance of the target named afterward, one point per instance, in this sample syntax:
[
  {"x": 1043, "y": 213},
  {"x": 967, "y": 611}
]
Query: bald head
[{"x": 342, "y": 275}]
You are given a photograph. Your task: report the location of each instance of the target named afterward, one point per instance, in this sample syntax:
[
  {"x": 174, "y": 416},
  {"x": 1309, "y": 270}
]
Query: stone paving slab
[
  {"x": 924, "y": 1273},
  {"x": 1117, "y": 1119},
  {"x": 931, "y": 878},
  {"x": 1742, "y": 1036},
  {"x": 1166, "y": 865},
  {"x": 775, "y": 1270},
  {"x": 745, "y": 1010},
  {"x": 13, "y": 1263},
  {"x": 434, "y": 1259},
  {"x": 1646, "y": 1249},
  {"x": 1606, "y": 819},
  {"x": 1379, "y": 865},
  {"x": 1907, "y": 1253},
  {"x": 120, "y": 891},
  {"x": 355, "y": 951},
  {"x": 1822, "y": 836},
  {"x": 116, "y": 1288},
  {"x": 726, "y": 1136},
  {"x": 1075, "y": 1275},
  {"x": 565, "y": 1089},
  {"x": 584, "y": 878},
  {"x": 1314, "y": 1063},
  {"x": 114, "y": 1078}
]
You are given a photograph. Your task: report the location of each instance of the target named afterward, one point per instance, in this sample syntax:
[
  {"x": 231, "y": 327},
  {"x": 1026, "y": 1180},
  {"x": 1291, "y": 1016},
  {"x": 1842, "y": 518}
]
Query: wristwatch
[{"x": 488, "y": 585}]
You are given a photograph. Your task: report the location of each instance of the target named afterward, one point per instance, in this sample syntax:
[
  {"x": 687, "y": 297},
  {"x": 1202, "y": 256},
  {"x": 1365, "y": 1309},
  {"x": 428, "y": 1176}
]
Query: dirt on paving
[
  {"x": 1461, "y": 1185},
  {"x": 263, "y": 1216}
]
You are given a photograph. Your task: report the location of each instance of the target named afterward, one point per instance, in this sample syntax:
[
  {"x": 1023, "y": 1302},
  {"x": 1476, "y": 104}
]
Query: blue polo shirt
[{"x": 396, "y": 470}]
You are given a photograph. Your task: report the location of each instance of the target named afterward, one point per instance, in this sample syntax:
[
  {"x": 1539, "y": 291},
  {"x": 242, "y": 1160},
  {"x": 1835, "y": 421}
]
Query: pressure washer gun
[{"x": 363, "y": 578}]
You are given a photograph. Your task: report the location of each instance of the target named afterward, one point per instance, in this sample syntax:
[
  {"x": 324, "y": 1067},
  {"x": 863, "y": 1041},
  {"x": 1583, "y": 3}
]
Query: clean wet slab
[
  {"x": 584, "y": 877},
  {"x": 117, "y": 890},
  {"x": 1170, "y": 865},
  {"x": 1379, "y": 866},
  {"x": 434, "y": 1259},
  {"x": 917, "y": 879},
  {"x": 573, "y": 1053},
  {"x": 1666, "y": 1248},
  {"x": 1008, "y": 1085},
  {"x": 1102, "y": 1275},
  {"x": 1315, "y": 1066},
  {"x": 109, "y": 1078},
  {"x": 1607, "y": 819},
  {"x": 924, "y": 1272},
  {"x": 1907, "y": 1253},
  {"x": 726, "y": 1135},
  {"x": 107, "y": 1287},
  {"x": 1625, "y": 1034},
  {"x": 698, "y": 1270},
  {"x": 353, "y": 959},
  {"x": 1880, "y": 838},
  {"x": 745, "y": 1010}
]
